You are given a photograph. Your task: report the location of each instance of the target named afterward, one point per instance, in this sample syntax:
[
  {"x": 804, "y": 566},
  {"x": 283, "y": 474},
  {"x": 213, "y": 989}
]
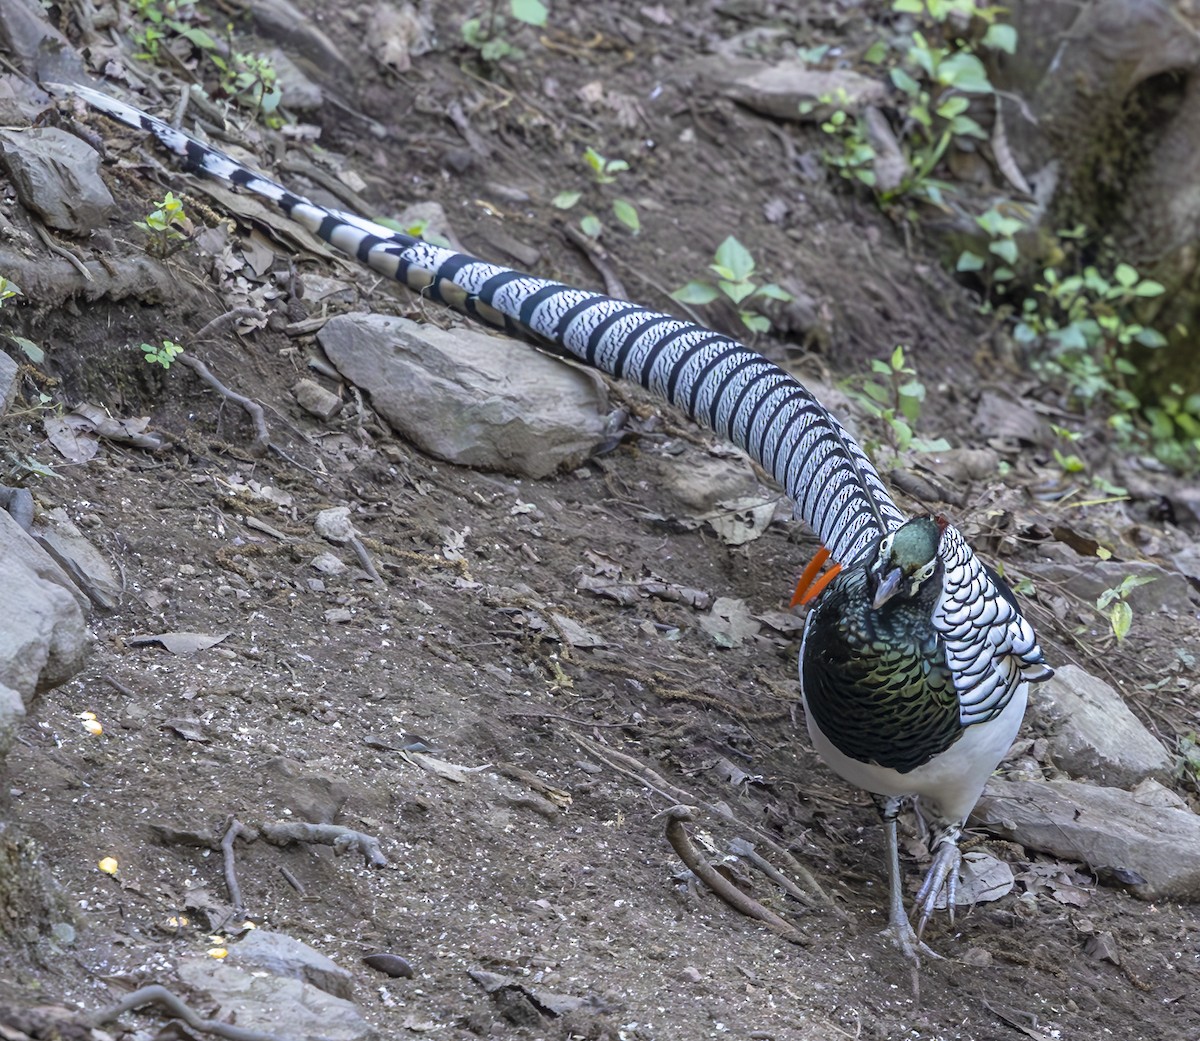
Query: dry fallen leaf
[
  {"x": 743, "y": 520},
  {"x": 179, "y": 643},
  {"x": 984, "y": 878},
  {"x": 730, "y": 622},
  {"x": 73, "y": 436}
]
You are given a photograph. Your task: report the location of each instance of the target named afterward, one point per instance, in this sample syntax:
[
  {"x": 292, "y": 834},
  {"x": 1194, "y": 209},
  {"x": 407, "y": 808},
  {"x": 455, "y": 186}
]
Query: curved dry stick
[
  {"x": 718, "y": 883},
  {"x": 262, "y": 439},
  {"x": 159, "y": 995},
  {"x": 598, "y": 256},
  {"x": 341, "y": 839},
  {"x": 364, "y": 559},
  {"x": 228, "y": 318},
  {"x": 234, "y": 829},
  {"x": 628, "y": 765},
  {"x": 745, "y": 849}
]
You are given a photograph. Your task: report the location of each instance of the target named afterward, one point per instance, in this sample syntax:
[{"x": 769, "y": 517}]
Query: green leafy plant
[
  {"x": 162, "y": 355},
  {"x": 1003, "y": 251},
  {"x": 250, "y": 79},
  {"x": 1089, "y": 315},
  {"x": 935, "y": 82},
  {"x": 21, "y": 467},
  {"x": 156, "y": 18},
  {"x": 604, "y": 172},
  {"x": 488, "y": 35},
  {"x": 1068, "y": 461},
  {"x": 1113, "y": 605},
  {"x": 894, "y": 395},
  {"x": 1189, "y": 758},
  {"x": 735, "y": 269},
  {"x": 162, "y": 225},
  {"x": 1082, "y": 328},
  {"x": 8, "y": 290}
]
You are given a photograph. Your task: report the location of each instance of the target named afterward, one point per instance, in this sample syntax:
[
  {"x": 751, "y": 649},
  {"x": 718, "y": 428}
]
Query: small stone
[
  {"x": 328, "y": 564},
  {"x": 315, "y": 399},
  {"x": 57, "y": 176},
  {"x": 43, "y": 638},
  {"x": 338, "y": 616},
  {"x": 283, "y": 955},
  {"x": 1103, "y": 947},
  {"x": 279, "y": 1005},
  {"x": 334, "y": 524},
  {"x": 63, "y": 932},
  {"x": 9, "y": 371},
  {"x": 1153, "y": 850},
  {"x": 392, "y": 965},
  {"x": 88, "y": 567},
  {"x": 300, "y": 94},
  {"x": 977, "y": 957},
  {"x": 690, "y": 974},
  {"x": 471, "y": 398},
  {"x": 790, "y": 89},
  {"x": 1094, "y": 734}
]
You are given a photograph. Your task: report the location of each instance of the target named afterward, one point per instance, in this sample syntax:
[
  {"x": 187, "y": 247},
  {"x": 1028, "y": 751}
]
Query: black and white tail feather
[{"x": 714, "y": 379}]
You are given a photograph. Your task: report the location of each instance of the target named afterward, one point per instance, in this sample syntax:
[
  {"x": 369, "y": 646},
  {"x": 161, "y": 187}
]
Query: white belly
[{"x": 950, "y": 784}]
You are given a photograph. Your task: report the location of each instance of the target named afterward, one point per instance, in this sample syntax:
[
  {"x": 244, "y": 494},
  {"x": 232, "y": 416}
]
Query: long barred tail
[{"x": 716, "y": 380}]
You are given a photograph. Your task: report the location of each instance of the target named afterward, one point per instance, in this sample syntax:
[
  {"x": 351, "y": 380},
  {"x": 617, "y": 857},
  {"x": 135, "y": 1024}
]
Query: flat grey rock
[
  {"x": 283, "y": 955},
  {"x": 315, "y": 399},
  {"x": 700, "y": 480},
  {"x": 276, "y": 1005},
  {"x": 469, "y": 397},
  {"x": 300, "y": 93},
  {"x": 43, "y": 638},
  {"x": 57, "y": 176},
  {"x": 1113, "y": 832},
  {"x": 1093, "y": 734},
  {"x": 1169, "y": 594},
  {"x": 9, "y": 371},
  {"x": 58, "y": 535},
  {"x": 779, "y": 89}
]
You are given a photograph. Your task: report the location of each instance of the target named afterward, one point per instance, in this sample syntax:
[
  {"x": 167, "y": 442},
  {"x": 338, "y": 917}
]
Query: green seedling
[
  {"x": 735, "y": 268},
  {"x": 162, "y": 355}
]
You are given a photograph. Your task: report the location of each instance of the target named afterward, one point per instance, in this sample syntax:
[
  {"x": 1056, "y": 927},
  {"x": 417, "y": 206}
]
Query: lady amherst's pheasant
[{"x": 915, "y": 658}]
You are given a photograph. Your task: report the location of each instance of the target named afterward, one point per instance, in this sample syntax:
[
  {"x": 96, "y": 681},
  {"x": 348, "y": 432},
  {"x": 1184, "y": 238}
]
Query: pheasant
[
  {"x": 915, "y": 665},
  {"x": 915, "y": 660}
]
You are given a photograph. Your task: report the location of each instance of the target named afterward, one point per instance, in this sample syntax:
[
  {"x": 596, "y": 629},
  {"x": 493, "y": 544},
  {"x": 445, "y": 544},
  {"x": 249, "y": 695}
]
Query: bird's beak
[{"x": 888, "y": 585}]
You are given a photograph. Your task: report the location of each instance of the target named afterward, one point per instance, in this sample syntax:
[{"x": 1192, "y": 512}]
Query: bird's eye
[
  {"x": 885, "y": 547},
  {"x": 925, "y": 572}
]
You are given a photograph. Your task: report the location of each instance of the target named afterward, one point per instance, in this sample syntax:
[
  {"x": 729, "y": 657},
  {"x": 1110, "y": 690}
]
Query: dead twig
[
  {"x": 262, "y": 439},
  {"x": 118, "y": 686},
  {"x": 63, "y": 252},
  {"x": 364, "y": 559},
  {"x": 234, "y": 829},
  {"x": 159, "y": 995},
  {"x": 598, "y": 257},
  {"x": 343, "y": 840},
  {"x": 745, "y": 850},
  {"x": 228, "y": 318},
  {"x": 718, "y": 883},
  {"x": 632, "y": 768},
  {"x": 292, "y": 881}
]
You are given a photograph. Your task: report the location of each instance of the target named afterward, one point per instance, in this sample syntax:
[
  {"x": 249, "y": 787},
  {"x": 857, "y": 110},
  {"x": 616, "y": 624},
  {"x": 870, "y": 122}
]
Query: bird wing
[{"x": 990, "y": 647}]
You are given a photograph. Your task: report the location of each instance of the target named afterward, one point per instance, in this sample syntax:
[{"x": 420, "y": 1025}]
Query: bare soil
[{"x": 551, "y": 866}]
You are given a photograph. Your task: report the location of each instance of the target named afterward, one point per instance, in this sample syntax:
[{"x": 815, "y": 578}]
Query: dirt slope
[{"x": 551, "y": 867}]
